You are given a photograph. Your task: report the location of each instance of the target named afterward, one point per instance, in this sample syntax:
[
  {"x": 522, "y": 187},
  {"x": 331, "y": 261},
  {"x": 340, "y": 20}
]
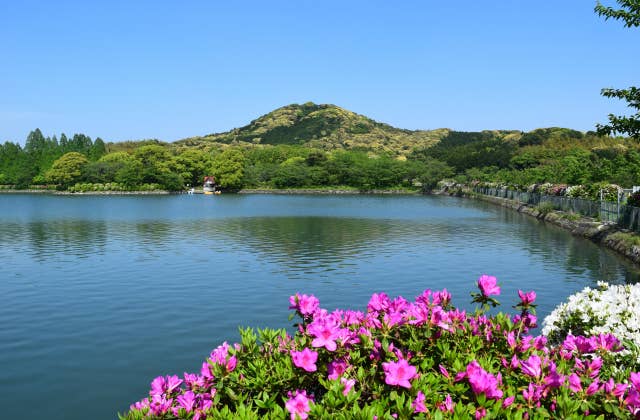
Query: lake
[{"x": 103, "y": 293}]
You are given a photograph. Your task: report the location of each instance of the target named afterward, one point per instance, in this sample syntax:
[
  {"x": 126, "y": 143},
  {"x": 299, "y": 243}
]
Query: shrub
[
  {"x": 634, "y": 199},
  {"x": 558, "y": 190},
  {"x": 609, "y": 309},
  {"x": 545, "y": 207},
  {"x": 401, "y": 359},
  {"x": 578, "y": 191}
]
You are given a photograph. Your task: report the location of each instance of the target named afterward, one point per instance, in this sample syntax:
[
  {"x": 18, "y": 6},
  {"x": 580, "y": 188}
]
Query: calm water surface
[{"x": 102, "y": 294}]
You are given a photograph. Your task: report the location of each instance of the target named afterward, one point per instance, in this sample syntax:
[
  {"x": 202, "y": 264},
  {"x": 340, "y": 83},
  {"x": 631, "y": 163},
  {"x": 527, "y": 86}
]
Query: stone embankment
[
  {"x": 606, "y": 234},
  {"x": 327, "y": 191}
]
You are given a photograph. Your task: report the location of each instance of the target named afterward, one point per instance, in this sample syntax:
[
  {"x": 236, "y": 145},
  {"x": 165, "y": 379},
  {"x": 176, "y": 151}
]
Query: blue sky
[{"x": 139, "y": 69}]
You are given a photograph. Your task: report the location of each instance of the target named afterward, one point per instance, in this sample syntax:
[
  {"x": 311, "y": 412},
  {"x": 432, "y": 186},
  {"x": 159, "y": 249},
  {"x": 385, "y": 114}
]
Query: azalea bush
[
  {"x": 607, "y": 309},
  {"x": 402, "y": 359}
]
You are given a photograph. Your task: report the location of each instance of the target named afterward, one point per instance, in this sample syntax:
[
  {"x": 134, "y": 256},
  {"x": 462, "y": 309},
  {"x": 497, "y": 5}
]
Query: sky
[{"x": 130, "y": 70}]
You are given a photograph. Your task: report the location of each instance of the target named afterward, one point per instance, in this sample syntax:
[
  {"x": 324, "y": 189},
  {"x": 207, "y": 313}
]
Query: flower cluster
[
  {"x": 400, "y": 359},
  {"x": 608, "y": 309}
]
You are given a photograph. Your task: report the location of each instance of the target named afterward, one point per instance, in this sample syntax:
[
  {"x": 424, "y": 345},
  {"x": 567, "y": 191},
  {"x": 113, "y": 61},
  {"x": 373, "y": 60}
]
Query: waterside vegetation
[{"x": 402, "y": 359}]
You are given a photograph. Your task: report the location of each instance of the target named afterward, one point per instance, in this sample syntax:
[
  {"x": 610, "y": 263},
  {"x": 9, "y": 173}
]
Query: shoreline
[
  {"x": 284, "y": 191},
  {"x": 334, "y": 191},
  {"x": 53, "y": 192},
  {"x": 608, "y": 235}
]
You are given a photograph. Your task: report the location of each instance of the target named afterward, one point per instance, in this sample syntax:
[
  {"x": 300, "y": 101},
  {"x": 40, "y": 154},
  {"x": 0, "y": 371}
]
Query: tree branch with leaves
[{"x": 629, "y": 13}]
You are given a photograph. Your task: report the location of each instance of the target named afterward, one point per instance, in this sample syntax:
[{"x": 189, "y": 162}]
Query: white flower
[{"x": 613, "y": 309}]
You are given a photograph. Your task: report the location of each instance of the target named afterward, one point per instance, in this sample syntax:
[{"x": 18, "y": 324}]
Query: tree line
[
  {"x": 67, "y": 162},
  {"x": 555, "y": 155}
]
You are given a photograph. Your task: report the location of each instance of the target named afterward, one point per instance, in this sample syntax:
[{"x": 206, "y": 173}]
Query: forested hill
[{"x": 326, "y": 127}]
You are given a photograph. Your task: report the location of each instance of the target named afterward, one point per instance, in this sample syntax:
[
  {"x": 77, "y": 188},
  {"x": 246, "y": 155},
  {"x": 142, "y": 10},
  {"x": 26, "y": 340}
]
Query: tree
[
  {"x": 630, "y": 12},
  {"x": 434, "y": 171},
  {"x": 97, "y": 150},
  {"x": 630, "y": 15},
  {"x": 128, "y": 170},
  {"x": 228, "y": 168},
  {"x": 68, "y": 169},
  {"x": 193, "y": 165},
  {"x": 158, "y": 164}
]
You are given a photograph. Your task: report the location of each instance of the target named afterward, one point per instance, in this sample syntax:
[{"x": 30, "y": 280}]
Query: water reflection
[{"x": 316, "y": 244}]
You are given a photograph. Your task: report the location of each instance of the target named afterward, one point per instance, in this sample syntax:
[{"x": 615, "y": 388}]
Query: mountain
[{"x": 323, "y": 126}]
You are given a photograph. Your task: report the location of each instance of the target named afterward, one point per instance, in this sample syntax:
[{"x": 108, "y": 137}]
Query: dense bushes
[{"x": 401, "y": 359}]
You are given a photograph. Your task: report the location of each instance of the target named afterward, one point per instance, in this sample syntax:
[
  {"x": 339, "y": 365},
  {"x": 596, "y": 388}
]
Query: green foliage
[
  {"x": 228, "y": 168},
  {"x": 629, "y": 13},
  {"x": 463, "y": 151},
  {"x": 68, "y": 169},
  {"x": 545, "y": 208},
  {"x": 629, "y": 125},
  {"x": 433, "y": 171},
  {"x": 158, "y": 167},
  {"x": 193, "y": 165}
]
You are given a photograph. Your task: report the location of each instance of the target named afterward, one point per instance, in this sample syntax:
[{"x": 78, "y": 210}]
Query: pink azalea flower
[
  {"x": 325, "y": 334},
  {"x": 158, "y": 386},
  {"x": 554, "y": 379},
  {"x": 187, "y": 400},
  {"x": 353, "y": 317},
  {"x": 444, "y": 371},
  {"x": 481, "y": 413},
  {"x": 447, "y": 405},
  {"x": 336, "y": 368},
  {"x": 298, "y": 405},
  {"x": 378, "y": 302},
  {"x": 139, "y": 405},
  {"x": 305, "y": 359},
  {"x": 192, "y": 380},
  {"x": 399, "y": 373},
  {"x": 508, "y": 401},
  {"x": 160, "y": 405},
  {"x": 526, "y": 299},
  {"x": 532, "y": 394},
  {"x": 173, "y": 382},
  {"x": 231, "y": 364},
  {"x": 219, "y": 355},
  {"x": 483, "y": 382},
  {"x": 348, "y": 385},
  {"x": 488, "y": 285},
  {"x": 532, "y": 366},
  {"x": 441, "y": 298},
  {"x": 304, "y": 304},
  {"x": 574, "y": 383},
  {"x": 593, "y": 387},
  {"x": 418, "y": 403},
  {"x": 205, "y": 371}
]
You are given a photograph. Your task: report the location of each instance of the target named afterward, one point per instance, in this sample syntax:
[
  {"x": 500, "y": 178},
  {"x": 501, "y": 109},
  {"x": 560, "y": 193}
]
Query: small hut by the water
[{"x": 209, "y": 185}]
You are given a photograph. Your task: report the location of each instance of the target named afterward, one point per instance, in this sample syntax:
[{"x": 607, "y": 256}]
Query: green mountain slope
[{"x": 324, "y": 126}]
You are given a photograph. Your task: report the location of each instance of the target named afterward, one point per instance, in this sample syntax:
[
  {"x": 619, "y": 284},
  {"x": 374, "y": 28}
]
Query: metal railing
[{"x": 626, "y": 217}]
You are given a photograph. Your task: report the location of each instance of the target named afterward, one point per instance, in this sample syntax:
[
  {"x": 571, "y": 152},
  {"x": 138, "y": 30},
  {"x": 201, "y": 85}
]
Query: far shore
[
  {"x": 287, "y": 191},
  {"x": 331, "y": 191},
  {"x": 54, "y": 192}
]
